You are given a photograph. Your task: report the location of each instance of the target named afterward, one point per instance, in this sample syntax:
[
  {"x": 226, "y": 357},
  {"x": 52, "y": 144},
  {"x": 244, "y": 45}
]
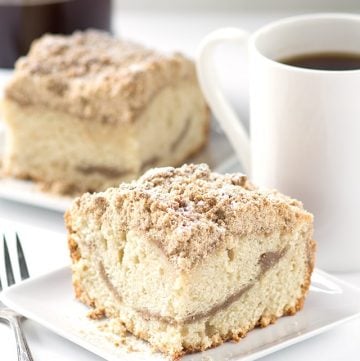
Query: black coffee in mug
[
  {"x": 325, "y": 61},
  {"x": 22, "y": 21}
]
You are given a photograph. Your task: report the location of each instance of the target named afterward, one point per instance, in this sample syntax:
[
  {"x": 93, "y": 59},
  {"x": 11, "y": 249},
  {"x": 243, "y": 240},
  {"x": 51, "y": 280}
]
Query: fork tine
[
  {"x": 24, "y": 272},
  {"x": 9, "y": 271},
  {"x": 0, "y": 285}
]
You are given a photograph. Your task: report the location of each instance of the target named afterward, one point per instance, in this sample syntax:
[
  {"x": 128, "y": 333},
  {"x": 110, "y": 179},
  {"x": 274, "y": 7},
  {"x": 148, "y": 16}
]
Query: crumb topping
[
  {"x": 94, "y": 75},
  {"x": 188, "y": 212}
]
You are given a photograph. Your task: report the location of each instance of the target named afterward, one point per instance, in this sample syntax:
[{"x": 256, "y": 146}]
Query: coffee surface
[{"x": 324, "y": 61}]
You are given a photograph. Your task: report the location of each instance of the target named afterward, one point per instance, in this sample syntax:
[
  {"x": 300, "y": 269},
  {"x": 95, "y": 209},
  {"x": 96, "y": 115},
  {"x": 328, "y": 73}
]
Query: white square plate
[{"x": 49, "y": 301}]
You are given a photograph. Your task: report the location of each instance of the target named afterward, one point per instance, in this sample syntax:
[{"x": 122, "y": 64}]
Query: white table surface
[{"x": 180, "y": 31}]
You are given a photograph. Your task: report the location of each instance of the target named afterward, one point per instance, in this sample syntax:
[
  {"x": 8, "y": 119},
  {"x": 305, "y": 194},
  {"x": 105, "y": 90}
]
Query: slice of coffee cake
[
  {"x": 187, "y": 259},
  {"x": 87, "y": 111}
]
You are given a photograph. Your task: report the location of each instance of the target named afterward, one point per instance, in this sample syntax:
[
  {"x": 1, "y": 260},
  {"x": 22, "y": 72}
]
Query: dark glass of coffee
[
  {"x": 325, "y": 61},
  {"x": 22, "y": 21}
]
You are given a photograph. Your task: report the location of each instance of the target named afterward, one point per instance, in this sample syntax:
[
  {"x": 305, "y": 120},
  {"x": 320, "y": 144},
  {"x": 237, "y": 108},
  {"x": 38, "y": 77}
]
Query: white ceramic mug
[{"x": 304, "y": 123}]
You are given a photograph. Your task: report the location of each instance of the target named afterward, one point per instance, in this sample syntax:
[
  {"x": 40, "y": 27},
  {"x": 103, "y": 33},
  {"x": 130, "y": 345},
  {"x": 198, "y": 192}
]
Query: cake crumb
[
  {"x": 97, "y": 314},
  {"x": 116, "y": 333}
]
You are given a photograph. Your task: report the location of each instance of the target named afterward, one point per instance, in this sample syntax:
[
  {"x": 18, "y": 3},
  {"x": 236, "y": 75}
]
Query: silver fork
[{"x": 11, "y": 317}]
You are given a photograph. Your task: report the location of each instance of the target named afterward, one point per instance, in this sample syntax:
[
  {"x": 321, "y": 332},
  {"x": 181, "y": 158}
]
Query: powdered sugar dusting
[{"x": 189, "y": 212}]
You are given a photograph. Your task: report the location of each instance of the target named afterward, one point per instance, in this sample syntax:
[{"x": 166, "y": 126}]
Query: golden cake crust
[
  {"x": 94, "y": 76},
  {"x": 188, "y": 211}
]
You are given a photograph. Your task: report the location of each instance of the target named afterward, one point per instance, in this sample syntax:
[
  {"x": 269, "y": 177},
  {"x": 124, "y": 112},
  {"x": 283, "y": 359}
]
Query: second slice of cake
[
  {"x": 187, "y": 259},
  {"x": 87, "y": 111}
]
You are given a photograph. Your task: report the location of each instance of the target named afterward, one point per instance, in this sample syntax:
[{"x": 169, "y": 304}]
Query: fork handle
[{"x": 23, "y": 350}]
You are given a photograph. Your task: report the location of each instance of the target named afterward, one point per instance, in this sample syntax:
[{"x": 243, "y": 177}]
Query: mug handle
[{"x": 210, "y": 85}]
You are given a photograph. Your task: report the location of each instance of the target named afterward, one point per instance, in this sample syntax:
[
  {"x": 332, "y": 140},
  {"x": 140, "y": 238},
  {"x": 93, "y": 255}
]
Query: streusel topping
[
  {"x": 190, "y": 211},
  {"x": 94, "y": 75}
]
